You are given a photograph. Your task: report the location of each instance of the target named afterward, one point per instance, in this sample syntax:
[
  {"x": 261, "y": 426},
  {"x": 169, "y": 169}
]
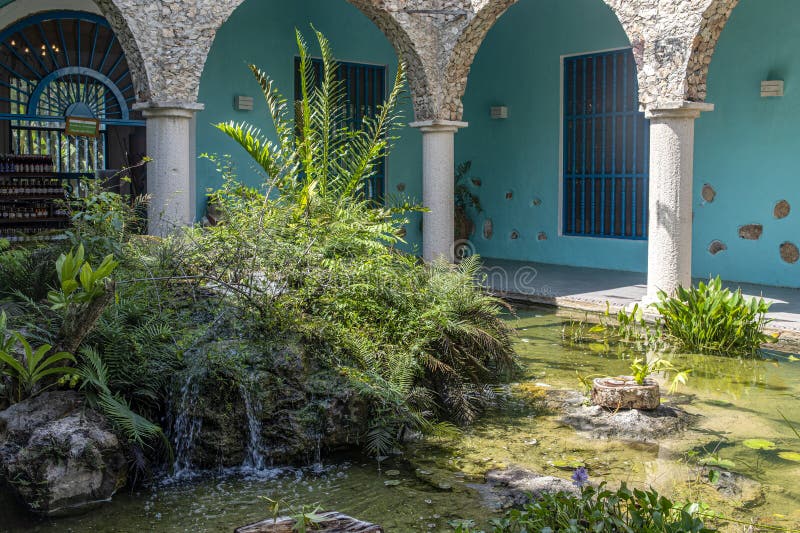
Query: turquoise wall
[
  {"x": 519, "y": 65},
  {"x": 748, "y": 149},
  {"x": 262, "y": 32}
]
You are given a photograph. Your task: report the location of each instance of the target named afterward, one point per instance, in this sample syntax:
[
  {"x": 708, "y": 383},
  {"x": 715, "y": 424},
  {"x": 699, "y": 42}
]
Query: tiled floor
[{"x": 590, "y": 289}]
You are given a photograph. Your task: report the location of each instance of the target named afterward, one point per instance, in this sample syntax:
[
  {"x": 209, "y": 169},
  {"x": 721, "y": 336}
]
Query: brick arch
[
  {"x": 485, "y": 14},
  {"x": 704, "y": 43}
]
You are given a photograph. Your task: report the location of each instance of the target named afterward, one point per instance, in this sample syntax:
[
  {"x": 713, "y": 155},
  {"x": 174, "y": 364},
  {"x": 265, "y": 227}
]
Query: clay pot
[{"x": 623, "y": 392}]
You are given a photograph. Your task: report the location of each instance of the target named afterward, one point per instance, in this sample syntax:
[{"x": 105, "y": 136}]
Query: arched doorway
[
  {"x": 561, "y": 164},
  {"x": 65, "y": 111}
]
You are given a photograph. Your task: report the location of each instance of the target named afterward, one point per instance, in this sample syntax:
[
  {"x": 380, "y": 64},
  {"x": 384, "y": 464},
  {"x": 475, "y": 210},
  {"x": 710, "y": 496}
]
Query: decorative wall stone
[
  {"x": 542, "y": 236},
  {"x": 790, "y": 253},
  {"x": 401, "y": 187},
  {"x": 716, "y": 247},
  {"x": 514, "y": 235},
  {"x": 488, "y": 228},
  {"x": 751, "y": 232},
  {"x": 708, "y": 193},
  {"x": 782, "y": 209}
]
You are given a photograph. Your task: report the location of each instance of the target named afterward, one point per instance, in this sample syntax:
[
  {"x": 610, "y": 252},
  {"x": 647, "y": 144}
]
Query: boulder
[
  {"x": 515, "y": 486},
  {"x": 57, "y": 457},
  {"x": 629, "y": 424}
]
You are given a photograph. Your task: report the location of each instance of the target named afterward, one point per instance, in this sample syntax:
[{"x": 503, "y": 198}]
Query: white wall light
[
  {"x": 243, "y": 103},
  {"x": 771, "y": 88},
  {"x": 499, "y": 112}
]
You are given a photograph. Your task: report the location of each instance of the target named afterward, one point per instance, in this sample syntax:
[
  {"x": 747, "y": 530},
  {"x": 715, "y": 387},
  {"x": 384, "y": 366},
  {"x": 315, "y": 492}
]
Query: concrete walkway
[{"x": 589, "y": 289}]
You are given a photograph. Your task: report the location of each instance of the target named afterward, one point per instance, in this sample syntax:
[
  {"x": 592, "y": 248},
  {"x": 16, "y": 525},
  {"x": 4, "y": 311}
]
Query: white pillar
[
  {"x": 170, "y": 174},
  {"x": 669, "y": 251},
  {"x": 438, "y": 187}
]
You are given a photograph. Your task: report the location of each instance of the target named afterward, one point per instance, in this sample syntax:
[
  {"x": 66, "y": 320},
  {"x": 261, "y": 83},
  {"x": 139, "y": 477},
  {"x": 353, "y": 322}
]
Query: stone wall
[{"x": 167, "y": 41}]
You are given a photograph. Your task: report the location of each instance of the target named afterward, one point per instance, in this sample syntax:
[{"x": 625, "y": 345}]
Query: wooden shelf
[
  {"x": 22, "y": 222},
  {"x": 48, "y": 175},
  {"x": 18, "y": 197}
]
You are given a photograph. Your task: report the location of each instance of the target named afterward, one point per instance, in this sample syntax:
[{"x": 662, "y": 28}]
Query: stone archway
[{"x": 704, "y": 43}]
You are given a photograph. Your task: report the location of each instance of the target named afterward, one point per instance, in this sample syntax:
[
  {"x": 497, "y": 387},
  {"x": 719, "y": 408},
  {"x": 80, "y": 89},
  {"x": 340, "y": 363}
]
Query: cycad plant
[{"x": 317, "y": 161}]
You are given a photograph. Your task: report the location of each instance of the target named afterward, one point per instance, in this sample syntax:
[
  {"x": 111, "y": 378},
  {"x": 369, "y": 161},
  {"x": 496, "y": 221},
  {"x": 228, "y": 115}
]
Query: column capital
[
  {"x": 426, "y": 126},
  {"x": 168, "y": 109},
  {"x": 678, "y": 110}
]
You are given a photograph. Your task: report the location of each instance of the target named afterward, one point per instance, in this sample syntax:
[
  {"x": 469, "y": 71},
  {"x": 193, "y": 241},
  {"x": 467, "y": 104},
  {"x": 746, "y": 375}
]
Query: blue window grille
[
  {"x": 606, "y": 148},
  {"x": 365, "y": 90}
]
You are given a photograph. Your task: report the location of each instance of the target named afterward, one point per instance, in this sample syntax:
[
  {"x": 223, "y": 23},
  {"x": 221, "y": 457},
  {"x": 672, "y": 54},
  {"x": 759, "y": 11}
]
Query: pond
[{"x": 736, "y": 400}]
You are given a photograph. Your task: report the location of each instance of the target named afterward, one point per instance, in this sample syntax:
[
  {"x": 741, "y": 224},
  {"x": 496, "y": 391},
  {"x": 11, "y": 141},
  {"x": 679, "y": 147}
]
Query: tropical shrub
[
  {"x": 308, "y": 254},
  {"x": 711, "y": 319}
]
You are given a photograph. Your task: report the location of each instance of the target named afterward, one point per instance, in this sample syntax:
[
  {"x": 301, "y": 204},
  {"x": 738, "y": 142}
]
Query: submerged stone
[
  {"x": 331, "y": 522},
  {"x": 515, "y": 486}
]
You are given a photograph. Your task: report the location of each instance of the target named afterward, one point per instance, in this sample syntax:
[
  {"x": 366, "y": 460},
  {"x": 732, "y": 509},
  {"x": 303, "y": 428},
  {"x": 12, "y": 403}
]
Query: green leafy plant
[
  {"x": 641, "y": 368},
  {"x": 137, "y": 429},
  {"x": 602, "y": 509},
  {"x": 465, "y": 198},
  {"x": 712, "y": 319},
  {"x": 35, "y": 365},
  {"x": 79, "y": 282}
]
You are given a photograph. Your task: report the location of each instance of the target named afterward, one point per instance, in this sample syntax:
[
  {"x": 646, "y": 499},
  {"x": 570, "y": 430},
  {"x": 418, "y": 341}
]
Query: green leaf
[{"x": 759, "y": 444}]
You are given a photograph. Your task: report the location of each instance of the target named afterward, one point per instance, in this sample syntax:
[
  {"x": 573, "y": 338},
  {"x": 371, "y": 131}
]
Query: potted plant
[
  {"x": 464, "y": 200},
  {"x": 637, "y": 391}
]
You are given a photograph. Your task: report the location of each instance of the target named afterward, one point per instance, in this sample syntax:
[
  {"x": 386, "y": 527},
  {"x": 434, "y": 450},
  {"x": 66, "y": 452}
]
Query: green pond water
[{"x": 736, "y": 400}]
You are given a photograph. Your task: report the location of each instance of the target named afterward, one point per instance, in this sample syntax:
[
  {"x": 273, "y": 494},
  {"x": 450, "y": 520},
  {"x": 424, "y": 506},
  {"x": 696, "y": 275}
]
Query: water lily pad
[
  {"x": 392, "y": 472},
  {"x": 422, "y": 472},
  {"x": 391, "y": 482},
  {"x": 568, "y": 464},
  {"x": 759, "y": 444},
  {"x": 790, "y": 456},
  {"x": 716, "y": 461}
]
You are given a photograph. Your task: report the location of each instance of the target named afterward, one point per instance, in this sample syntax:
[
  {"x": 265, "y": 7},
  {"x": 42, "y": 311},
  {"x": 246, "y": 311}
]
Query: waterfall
[
  {"x": 186, "y": 428},
  {"x": 254, "y": 458}
]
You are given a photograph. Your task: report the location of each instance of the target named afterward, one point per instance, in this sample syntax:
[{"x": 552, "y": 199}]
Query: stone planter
[{"x": 623, "y": 392}]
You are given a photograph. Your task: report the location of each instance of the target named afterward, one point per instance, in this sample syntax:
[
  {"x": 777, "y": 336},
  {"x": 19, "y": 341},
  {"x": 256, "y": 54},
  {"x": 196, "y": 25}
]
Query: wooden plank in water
[{"x": 333, "y": 523}]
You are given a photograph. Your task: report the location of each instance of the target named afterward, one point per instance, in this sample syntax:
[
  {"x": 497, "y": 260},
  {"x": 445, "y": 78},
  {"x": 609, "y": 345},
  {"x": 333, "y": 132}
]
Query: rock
[
  {"x": 301, "y": 409},
  {"x": 58, "y": 457},
  {"x": 624, "y": 393},
  {"x": 515, "y": 486},
  {"x": 746, "y": 491},
  {"x": 332, "y": 523},
  {"x": 629, "y": 424}
]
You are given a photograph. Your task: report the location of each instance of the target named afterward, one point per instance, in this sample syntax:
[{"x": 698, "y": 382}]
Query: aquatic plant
[
  {"x": 602, "y": 509},
  {"x": 712, "y": 319},
  {"x": 641, "y": 368}
]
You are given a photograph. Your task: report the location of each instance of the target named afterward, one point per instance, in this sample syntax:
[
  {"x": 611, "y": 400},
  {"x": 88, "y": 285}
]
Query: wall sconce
[
  {"x": 243, "y": 103},
  {"x": 499, "y": 112},
  {"x": 771, "y": 88}
]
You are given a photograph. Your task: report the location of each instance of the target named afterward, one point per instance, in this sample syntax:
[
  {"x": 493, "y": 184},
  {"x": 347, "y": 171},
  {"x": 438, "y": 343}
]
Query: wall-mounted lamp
[
  {"x": 499, "y": 112},
  {"x": 243, "y": 103},
  {"x": 771, "y": 88}
]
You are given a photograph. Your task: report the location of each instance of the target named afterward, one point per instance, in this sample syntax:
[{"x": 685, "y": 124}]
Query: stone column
[
  {"x": 669, "y": 252},
  {"x": 438, "y": 188},
  {"x": 170, "y": 174}
]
